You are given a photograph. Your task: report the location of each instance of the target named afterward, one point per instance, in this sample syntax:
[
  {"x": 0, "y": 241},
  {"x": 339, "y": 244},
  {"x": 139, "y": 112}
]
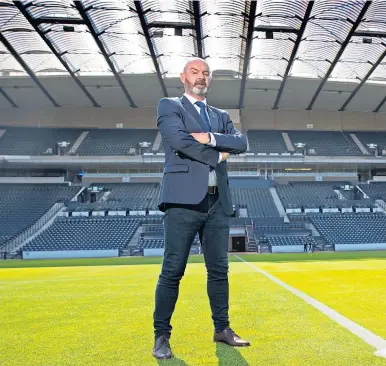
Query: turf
[
  {"x": 356, "y": 289},
  {"x": 303, "y": 257},
  {"x": 101, "y": 314}
]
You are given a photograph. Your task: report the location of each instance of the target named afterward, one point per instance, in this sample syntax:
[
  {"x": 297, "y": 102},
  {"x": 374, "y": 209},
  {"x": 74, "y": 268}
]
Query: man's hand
[
  {"x": 225, "y": 156},
  {"x": 201, "y": 137}
]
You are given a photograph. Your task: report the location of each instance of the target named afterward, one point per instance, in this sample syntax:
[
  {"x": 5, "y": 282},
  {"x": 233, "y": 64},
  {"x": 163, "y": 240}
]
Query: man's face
[{"x": 196, "y": 78}]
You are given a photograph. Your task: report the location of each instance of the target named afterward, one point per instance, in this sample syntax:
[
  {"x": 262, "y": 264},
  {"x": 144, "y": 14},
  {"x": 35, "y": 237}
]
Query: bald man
[{"x": 195, "y": 197}]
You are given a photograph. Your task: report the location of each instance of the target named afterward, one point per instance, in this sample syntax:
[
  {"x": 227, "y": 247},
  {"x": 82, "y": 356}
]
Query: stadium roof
[{"x": 324, "y": 41}]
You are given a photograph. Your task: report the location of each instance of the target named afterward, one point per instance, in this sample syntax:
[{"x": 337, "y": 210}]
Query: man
[{"x": 195, "y": 198}]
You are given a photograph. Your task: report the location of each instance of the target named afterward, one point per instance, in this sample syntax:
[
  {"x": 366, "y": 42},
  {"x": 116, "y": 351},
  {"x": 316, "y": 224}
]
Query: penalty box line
[{"x": 369, "y": 337}]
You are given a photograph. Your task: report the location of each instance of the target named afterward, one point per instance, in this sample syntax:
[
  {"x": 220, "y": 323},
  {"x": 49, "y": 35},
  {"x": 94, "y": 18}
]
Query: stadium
[{"x": 82, "y": 163}]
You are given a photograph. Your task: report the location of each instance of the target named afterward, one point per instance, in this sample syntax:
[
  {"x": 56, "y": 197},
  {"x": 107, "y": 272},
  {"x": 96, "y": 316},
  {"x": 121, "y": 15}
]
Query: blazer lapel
[
  {"x": 213, "y": 120},
  {"x": 193, "y": 112}
]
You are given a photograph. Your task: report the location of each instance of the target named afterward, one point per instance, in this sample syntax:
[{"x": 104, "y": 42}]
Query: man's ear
[{"x": 182, "y": 78}]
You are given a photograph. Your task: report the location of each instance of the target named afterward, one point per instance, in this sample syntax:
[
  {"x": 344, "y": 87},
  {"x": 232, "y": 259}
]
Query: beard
[{"x": 197, "y": 89}]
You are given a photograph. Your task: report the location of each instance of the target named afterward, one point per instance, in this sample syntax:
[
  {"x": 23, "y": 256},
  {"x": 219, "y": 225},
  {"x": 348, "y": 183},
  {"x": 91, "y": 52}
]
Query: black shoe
[
  {"x": 162, "y": 350},
  {"x": 228, "y": 336}
]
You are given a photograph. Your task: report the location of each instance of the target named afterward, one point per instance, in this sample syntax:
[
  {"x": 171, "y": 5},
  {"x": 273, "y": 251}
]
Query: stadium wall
[
  {"x": 87, "y": 117},
  {"x": 145, "y": 117},
  {"x": 288, "y": 249},
  {"x": 319, "y": 120},
  {"x": 58, "y": 254},
  {"x": 359, "y": 247}
]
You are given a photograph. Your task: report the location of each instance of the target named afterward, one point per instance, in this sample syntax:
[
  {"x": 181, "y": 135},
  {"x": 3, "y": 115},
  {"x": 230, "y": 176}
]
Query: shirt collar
[{"x": 193, "y": 100}]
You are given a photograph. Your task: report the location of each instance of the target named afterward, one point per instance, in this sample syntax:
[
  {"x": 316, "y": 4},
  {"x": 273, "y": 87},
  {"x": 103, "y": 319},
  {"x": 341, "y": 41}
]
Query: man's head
[{"x": 196, "y": 78}]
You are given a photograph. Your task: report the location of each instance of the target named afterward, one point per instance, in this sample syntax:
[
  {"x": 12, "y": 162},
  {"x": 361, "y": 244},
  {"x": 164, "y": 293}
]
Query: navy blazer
[{"x": 187, "y": 162}]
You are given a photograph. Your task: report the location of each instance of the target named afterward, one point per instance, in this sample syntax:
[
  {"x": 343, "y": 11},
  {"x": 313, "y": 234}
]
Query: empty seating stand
[
  {"x": 325, "y": 143},
  {"x": 304, "y": 194},
  {"x": 154, "y": 229},
  {"x": 378, "y": 138},
  {"x": 106, "y": 142},
  {"x": 34, "y": 141},
  {"x": 133, "y": 195},
  {"x": 151, "y": 243},
  {"x": 85, "y": 233},
  {"x": 266, "y": 142},
  {"x": 354, "y": 228},
  {"x": 22, "y": 205},
  {"x": 375, "y": 190},
  {"x": 290, "y": 240},
  {"x": 258, "y": 201}
]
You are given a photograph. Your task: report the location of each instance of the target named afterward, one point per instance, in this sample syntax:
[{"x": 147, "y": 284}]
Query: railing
[
  {"x": 33, "y": 229},
  {"x": 381, "y": 203}
]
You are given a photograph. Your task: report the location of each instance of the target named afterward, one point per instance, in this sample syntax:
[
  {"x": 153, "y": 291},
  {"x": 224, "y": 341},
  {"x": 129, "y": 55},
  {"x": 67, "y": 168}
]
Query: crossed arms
[{"x": 194, "y": 146}]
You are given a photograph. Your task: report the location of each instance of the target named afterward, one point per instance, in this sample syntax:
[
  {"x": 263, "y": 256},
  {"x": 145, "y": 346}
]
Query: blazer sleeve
[
  {"x": 232, "y": 141},
  {"x": 172, "y": 130}
]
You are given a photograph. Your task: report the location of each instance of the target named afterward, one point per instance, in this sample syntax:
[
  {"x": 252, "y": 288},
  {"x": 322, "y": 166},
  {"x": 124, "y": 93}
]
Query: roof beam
[
  {"x": 50, "y": 20},
  {"x": 340, "y": 52},
  {"x": 293, "y": 54},
  {"x": 8, "y": 98},
  {"x": 87, "y": 22},
  {"x": 146, "y": 33},
  {"x": 248, "y": 48},
  {"x": 197, "y": 28},
  {"x": 27, "y": 69},
  {"x": 376, "y": 110},
  {"x": 275, "y": 28},
  {"x": 164, "y": 24},
  {"x": 353, "y": 93},
  {"x": 370, "y": 34},
  {"x": 27, "y": 15}
]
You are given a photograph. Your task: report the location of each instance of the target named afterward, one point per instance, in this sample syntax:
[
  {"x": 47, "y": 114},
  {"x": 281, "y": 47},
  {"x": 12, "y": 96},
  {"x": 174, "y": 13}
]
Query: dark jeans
[{"x": 181, "y": 226}]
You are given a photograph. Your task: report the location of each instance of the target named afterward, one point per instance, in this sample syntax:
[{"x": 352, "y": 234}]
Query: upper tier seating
[
  {"x": 325, "y": 143},
  {"x": 378, "y": 138},
  {"x": 34, "y": 141},
  {"x": 266, "y": 142},
  {"x": 115, "y": 142}
]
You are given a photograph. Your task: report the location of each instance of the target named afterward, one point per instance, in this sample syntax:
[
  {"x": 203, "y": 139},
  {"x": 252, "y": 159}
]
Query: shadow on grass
[
  {"x": 175, "y": 361},
  {"x": 229, "y": 356}
]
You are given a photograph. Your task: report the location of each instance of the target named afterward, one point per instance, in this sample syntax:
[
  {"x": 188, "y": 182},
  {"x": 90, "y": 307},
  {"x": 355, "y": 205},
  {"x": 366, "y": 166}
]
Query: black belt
[{"x": 212, "y": 190}]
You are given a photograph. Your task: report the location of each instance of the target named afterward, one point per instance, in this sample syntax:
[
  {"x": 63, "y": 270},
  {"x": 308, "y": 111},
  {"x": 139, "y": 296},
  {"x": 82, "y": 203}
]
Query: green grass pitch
[{"x": 99, "y": 311}]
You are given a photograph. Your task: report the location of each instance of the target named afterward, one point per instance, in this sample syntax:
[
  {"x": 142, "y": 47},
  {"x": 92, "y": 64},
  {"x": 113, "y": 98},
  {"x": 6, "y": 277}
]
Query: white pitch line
[{"x": 361, "y": 332}]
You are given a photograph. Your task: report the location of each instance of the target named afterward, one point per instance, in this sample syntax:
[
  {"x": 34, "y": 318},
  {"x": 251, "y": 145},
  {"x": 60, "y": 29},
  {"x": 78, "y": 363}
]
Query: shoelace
[
  {"x": 234, "y": 334},
  {"x": 163, "y": 341}
]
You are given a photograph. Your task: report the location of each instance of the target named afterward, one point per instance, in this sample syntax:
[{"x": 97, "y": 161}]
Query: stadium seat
[
  {"x": 266, "y": 142},
  {"x": 22, "y": 205},
  {"x": 85, "y": 233},
  {"x": 354, "y": 228},
  {"x": 106, "y": 142},
  {"x": 326, "y": 143},
  {"x": 258, "y": 201},
  {"x": 34, "y": 141},
  {"x": 290, "y": 240}
]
